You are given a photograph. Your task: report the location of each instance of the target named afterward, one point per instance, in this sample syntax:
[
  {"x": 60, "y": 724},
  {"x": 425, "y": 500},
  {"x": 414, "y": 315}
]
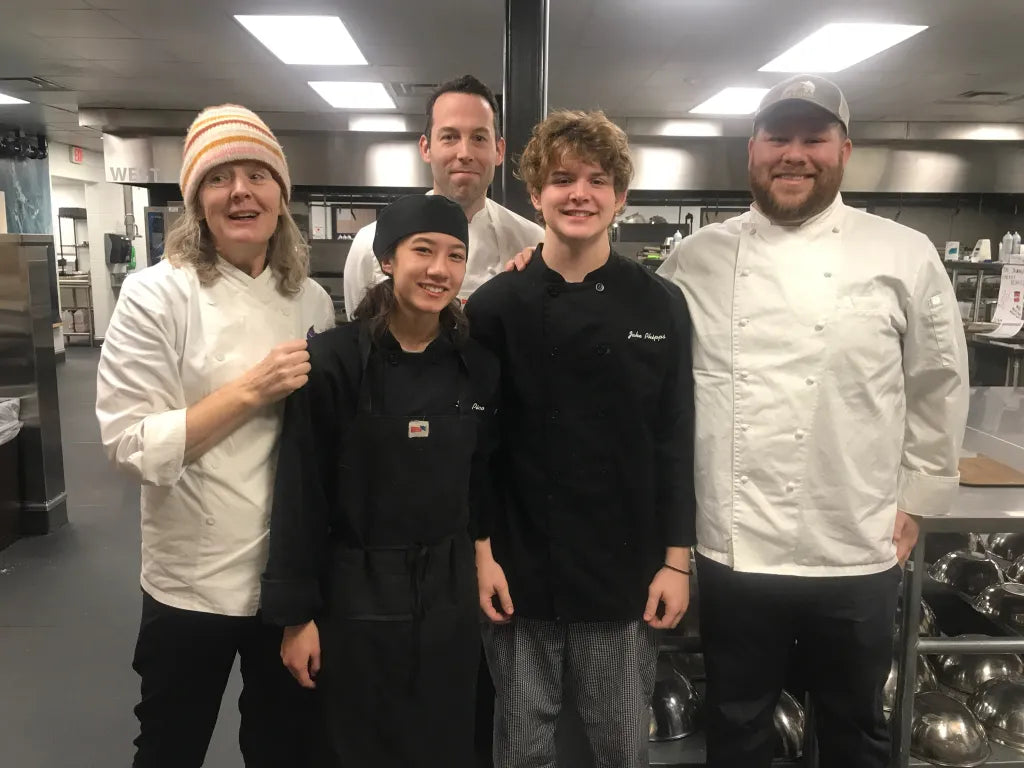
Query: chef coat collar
[
  {"x": 487, "y": 208},
  {"x": 443, "y": 343},
  {"x": 825, "y": 217},
  {"x": 602, "y": 273},
  {"x": 244, "y": 280}
]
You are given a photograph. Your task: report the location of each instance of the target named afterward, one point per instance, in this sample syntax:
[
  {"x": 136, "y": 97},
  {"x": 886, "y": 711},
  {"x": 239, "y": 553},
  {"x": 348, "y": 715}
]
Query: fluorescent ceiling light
[
  {"x": 346, "y": 95},
  {"x": 835, "y": 47},
  {"x": 378, "y": 123},
  {"x": 731, "y": 101},
  {"x": 311, "y": 40},
  {"x": 5, "y": 99}
]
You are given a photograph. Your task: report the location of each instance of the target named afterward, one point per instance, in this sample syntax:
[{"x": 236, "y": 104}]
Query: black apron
[{"x": 400, "y": 637}]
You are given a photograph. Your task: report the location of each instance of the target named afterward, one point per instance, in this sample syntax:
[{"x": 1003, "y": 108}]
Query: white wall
[
  {"x": 91, "y": 168},
  {"x": 68, "y": 194}
]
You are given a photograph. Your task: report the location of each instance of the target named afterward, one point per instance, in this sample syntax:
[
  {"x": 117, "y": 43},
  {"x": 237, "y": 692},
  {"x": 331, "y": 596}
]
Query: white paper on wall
[{"x": 1008, "y": 312}]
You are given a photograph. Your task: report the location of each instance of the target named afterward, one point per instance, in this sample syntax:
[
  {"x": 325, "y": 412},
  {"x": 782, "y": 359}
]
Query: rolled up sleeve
[
  {"x": 937, "y": 395},
  {"x": 140, "y": 403}
]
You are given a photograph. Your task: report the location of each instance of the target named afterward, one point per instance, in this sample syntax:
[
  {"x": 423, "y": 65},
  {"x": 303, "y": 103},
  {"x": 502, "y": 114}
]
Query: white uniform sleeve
[
  {"x": 937, "y": 394},
  {"x": 140, "y": 402},
  {"x": 361, "y": 269}
]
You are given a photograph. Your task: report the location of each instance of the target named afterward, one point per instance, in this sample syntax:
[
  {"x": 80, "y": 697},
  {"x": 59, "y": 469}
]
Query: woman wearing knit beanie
[
  {"x": 201, "y": 350},
  {"x": 380, "y": 487}
]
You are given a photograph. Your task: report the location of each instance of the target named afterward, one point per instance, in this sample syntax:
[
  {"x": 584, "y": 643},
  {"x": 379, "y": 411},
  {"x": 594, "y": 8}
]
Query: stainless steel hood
[{"x": 904, "y": 158}]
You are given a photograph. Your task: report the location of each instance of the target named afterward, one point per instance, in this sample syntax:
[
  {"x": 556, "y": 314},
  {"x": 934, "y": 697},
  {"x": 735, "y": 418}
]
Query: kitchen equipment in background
[
  {"x": 1008, "y": 546},
  {"x": 967, "y": 572},
  {"x": 999, "y": 707},
  {"x": 952, "y": 251},
  {"x": 1003, "y": 602},
  {"x": 925, "y": 680},
  {"x": 945, "y": 732},
  {"x": 159, "y": 220},
  {"x": 675, "y": 707},
  {"x": 967, "y": 672},
  {"x": 790, "y": 723},
  {"x": 1006, "y": 246},
  {"x": 938, "y": 544},
  {"x": 982, "y": 250}
]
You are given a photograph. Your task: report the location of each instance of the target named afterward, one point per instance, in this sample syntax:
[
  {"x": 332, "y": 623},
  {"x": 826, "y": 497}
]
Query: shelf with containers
[
  {"x": 77, "y": 309},
  {"x": 995, "y": 430}
]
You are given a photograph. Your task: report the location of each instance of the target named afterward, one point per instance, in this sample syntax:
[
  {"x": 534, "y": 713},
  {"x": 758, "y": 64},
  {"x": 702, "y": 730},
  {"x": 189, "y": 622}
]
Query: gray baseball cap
[{"x": 811, "y": 89}]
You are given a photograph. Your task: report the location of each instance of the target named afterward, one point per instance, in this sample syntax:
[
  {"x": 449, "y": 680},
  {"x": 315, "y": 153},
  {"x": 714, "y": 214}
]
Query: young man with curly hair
[{"x": 588, "y": 552}]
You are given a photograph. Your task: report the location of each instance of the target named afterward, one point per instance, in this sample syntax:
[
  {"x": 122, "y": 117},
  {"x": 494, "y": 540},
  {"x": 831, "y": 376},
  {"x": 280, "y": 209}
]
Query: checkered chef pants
[{"x": 605, "y": 670}]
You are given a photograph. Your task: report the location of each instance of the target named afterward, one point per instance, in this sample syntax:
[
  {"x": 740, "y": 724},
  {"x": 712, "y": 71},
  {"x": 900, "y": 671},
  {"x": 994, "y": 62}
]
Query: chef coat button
[
  {"x": 799, "y": 434},
  {"x": 744, "y": 427},
  {"x": 743, "y": 375},
  {"x": 600, "y": 287},
  {"x": 210, "y": 521},
  {"x": 603, "y": 349},
  {"x": 744, "y": 479},
  {"x": 753, "y": 230},
  {"x": 393, "y": 358},
  {"x": 285, "y": 312},
  {"x": 819, "y": 327},
  {"x": 744, "y": 323},
  {"x": 745, "y": 273},
  {"x": 554, "y": 351},
  {"x": 220, "y": 357},
  {"x": 810, "y": 381},
  {"x": 835, "y": 230},
  {"x": 828, "y": 274},
  {"x": 553, "y": 291},
  {"x": 554, "y": 415},
  {"x": 790, "y": 487}
]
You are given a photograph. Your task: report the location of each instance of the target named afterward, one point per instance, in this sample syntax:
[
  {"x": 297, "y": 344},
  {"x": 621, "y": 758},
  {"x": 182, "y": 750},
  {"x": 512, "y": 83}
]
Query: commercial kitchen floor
[{"x": 69, "y": 613}]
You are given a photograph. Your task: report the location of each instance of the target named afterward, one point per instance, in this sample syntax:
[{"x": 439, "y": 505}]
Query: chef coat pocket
[
  {"x": 863, "y": 345},
  {"x": 371, "y": 586},
  {"x": 941, "y": 327}
]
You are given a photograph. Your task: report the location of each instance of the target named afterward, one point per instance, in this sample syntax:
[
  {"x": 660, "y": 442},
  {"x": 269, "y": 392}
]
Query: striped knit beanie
[{"x": 227, "y": 134}]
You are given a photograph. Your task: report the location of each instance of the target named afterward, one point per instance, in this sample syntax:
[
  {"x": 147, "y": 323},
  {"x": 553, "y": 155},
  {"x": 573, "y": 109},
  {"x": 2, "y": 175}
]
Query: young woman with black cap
[{"x": 380, "y": 486}]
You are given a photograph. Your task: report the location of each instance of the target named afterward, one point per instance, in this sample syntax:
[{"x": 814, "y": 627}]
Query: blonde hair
[
  {"x": 587, "y": 136},
  {"x": 190, "y": 243}
]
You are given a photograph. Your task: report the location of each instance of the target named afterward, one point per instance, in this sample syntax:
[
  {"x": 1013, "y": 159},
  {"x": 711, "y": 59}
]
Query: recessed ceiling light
[
  {"x": 347, "y": 95},
  {"x": 731, "y": 101},
  {"x": 835, "y": 47},
  {"x": 5, "y": 99},
  {"x": 309, "y": 40},
  {"x": 378, "y": 123}
]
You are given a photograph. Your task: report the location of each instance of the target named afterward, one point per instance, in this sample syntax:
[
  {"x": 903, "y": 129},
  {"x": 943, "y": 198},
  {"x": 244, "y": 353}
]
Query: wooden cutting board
[{"x": 980, "y": 470}]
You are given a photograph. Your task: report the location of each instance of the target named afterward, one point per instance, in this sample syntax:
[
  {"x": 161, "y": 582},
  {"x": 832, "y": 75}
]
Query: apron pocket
[{"x": 374, "y": 586}]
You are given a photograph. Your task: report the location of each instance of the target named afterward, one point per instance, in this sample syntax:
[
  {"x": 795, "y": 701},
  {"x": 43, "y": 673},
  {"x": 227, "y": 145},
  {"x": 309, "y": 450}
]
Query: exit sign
[{"x": 77, "y": 155}]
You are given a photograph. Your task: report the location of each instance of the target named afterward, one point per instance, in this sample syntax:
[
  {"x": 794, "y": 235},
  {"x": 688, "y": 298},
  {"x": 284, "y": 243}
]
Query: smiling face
[
  {"x": 428, "y": 269},
  {"x": 796, "y": 161},
  {"x": 462, "y": 148},
  {"x": 241, "y": 203},
  {"x": 578, "y": 200}
]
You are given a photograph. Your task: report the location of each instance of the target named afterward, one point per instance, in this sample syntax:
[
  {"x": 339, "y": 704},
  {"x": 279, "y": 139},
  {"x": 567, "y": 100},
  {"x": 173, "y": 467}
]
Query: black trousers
[
  {"x": 184, "y": 659},
  {"x": 839, "y": 633}
]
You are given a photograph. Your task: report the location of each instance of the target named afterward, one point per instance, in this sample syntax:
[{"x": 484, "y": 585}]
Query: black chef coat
[
  {"x": 596, "y": 435},
  {"x": 310, "y": 512}
]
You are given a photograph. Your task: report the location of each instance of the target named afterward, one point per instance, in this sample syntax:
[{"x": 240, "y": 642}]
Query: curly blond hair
[
  {"x": 190, "y": 242},
  {"x": 587, "y": 136}
]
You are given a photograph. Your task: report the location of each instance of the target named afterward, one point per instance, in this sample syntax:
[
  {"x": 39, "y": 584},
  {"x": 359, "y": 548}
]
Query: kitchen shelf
[
  {"x": 78, "y": 286},
  {"x": 691, "y": 752},
  {"x": 1002, "y": 757}
]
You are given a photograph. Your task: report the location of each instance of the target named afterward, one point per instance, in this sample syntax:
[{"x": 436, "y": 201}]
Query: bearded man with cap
[
  {"x": 831, "y": 389},
  {"x": 381, "y": 486},
  {"x": 201, "y": 349}
]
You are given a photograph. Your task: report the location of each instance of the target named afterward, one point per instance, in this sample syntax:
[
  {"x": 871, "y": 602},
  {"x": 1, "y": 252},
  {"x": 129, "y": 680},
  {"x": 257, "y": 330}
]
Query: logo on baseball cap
[{"x": 811, "y": 89}]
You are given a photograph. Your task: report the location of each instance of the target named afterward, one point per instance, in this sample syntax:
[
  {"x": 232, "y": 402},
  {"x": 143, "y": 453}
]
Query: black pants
[
  {"x": 184, "y": 659},
  {"x": 842, "y": 628}
]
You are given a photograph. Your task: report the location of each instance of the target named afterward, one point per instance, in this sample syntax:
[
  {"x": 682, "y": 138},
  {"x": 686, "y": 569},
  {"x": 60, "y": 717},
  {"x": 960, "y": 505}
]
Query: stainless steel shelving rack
[
  {"x": 78, "y": 286},
  {"x": 979, "y": 510}
]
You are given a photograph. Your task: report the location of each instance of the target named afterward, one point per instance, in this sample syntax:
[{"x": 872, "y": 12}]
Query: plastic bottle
[
  {"x": 81, "y": 321},
  {"x": 677, "y": 238},
  {"x": 1006, "y": 246},
  {"x": 69, "y": 321},
  {"x": 1016, "y": 243}
]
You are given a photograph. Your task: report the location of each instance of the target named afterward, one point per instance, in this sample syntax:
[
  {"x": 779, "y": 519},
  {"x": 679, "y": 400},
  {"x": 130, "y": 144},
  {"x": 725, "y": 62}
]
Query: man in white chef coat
[
  {"x": 831, "y": 396},
  {"x": 463, "y": 144}
]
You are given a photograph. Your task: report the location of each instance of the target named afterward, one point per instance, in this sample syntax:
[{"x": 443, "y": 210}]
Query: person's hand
[
  {"x": 281, "y": 372},
  {"x": 520, "y": 260},
  {"x": 491, "y": 582},
  {"x": 300, "y": 652},
  {"x": 671, "y": 589},
  {"x": 905, "y": 535}
]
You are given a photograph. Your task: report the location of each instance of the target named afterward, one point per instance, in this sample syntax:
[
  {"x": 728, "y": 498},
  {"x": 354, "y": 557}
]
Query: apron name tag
[{"x": 419, "y": 429}]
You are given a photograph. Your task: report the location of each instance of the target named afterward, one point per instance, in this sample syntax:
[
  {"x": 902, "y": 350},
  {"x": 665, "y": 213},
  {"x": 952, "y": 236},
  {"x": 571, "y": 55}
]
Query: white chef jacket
[
  {"x": 831, "y": 388},
  {"x": 171, "y": 342},
  {"x": 496, "y": 234}
]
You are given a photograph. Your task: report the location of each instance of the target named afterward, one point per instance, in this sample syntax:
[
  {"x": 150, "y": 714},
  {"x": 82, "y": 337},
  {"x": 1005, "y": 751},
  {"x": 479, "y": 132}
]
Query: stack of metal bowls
[
  {"x": 1004, "y": 603},
  {"x": 999, "y": 707},
  {"x": 967, "y": 572},
  {"x": 966, "y": 673},
  {"x": 1008, "y": 546},
  {"x": 675, "y": 707},
  {"x": 925, "y": 680},
  {"x": 938, "y": 544},
  {"x": 790, "y": 722},
  {"x": 1015, "y": 570},
  {"x": 945, "y": 732}
]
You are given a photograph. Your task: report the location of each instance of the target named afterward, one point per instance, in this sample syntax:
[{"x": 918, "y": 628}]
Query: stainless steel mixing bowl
[
  {"x": 967, "y": 572},
  {"x": 675, "y": 706},
  {"x": 967, "y": 672},
  {"x": 925, "y": 680},
  {"x": 1015, "y": 570},
  {"x": 1003, "y": 602},
  {"x": 1008, "y": 546},
  {"x": 789, "y": 721},
  {"x": 945, "y": 732},
  {"x": 999, "y": 707}
]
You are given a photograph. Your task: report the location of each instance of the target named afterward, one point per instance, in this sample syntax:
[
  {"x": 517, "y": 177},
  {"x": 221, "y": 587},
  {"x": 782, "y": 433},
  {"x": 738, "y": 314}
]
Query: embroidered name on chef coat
[
  {"x": 645, "y": 336},
  {"x": 419, "y": 429}
]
